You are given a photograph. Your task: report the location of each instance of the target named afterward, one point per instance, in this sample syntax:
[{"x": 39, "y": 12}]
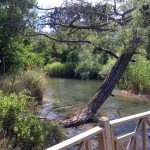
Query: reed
[
  {"x": 57, "y": 69},
  {"x": 137, "y": 78},
  {"x": 30, "y": 82}
]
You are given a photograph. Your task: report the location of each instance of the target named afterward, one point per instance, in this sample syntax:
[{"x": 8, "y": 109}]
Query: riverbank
[
  {"x": 20, "y": 127},
  {"x": 138, "y": 96},
  {"x": 69, "y": 96}
]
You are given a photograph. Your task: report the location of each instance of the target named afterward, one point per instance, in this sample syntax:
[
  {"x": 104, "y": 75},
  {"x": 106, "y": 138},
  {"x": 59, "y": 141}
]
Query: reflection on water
[{"x": 78, "y": 92}]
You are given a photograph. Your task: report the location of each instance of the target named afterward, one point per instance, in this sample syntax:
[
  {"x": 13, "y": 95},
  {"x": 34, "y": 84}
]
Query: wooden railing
[{"x": 107, "y": 137}]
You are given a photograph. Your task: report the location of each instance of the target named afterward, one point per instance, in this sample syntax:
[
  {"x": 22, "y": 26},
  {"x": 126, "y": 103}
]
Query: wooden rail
[{"x": 107, "y": 138}]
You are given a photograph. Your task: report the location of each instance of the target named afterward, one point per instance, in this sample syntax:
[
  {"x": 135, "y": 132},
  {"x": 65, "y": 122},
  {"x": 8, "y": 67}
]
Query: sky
[{"x": 48, "y": 3}]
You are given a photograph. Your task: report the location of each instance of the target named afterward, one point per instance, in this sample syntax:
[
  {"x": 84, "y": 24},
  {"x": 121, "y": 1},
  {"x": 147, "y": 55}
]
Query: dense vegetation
[
  {"x": 21, "y": 129},
  {"x": 136, "y": 78},
  {"x": 19, "y": 125},
  {"x": 21, "y": 87},
  {"x": 31, "y": 83}
]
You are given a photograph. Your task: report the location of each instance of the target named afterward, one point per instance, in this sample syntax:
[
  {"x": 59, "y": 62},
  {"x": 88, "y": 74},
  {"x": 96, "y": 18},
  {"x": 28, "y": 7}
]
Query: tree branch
[
  {"x": 123, "y": 14},
  {"x": 81, "y": 27},
  {"x": 108, "y": 52},
  {"x": 55, "y": 39}
]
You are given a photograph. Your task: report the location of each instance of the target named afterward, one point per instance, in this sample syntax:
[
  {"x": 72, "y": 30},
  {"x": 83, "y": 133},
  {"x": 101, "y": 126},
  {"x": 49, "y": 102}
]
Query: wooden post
[
  {"x": 101, "y": 141},
  {"x": 144, "y": 133},
  {"x": 104, "y": 122}
]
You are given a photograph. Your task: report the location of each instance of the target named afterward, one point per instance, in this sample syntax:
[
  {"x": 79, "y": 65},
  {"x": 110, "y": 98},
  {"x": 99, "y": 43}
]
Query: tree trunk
[{"x": 102, "y": 93}]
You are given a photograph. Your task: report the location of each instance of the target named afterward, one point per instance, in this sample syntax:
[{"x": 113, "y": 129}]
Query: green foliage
[
  {"x": 20, "y": 125},
  {"x": 57, "y": 69},
  {"x": 31, "y": 83},
  {"x": 136, "y": 78},
  {"x": 34, "y": 82},
  {"x": 106, "y": 68},
  {"x": 14, "y": 14},
  {"x": 88, "y": 65}
]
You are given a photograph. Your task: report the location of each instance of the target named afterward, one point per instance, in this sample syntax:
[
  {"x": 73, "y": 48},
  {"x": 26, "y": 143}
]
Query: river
[{"x": 76, "y": 94}]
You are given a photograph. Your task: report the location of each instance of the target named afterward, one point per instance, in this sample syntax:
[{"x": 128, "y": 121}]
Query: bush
[
  {"x": 20, "y": 128},
  {"x": 137, "y": 78},
  {"x": 31, "y": 83},
  {"x": 34, "y": 83},
  {"x": 57, "y": 69}
]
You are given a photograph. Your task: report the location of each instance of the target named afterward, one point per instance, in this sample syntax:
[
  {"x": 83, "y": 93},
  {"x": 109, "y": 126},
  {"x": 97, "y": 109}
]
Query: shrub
[
  {"x": 34, "y": 83},
  {"x": 22, "y": 128},
  {"x": 88, "y": 66},
  {"x": 31, "y": 83}
]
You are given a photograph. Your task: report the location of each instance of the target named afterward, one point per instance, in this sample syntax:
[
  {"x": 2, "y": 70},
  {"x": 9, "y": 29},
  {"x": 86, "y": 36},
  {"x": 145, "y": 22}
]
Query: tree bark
[{"x": 102, "y": 93}]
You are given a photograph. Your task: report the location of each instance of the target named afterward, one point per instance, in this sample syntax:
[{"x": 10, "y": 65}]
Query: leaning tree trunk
[{"x": 102, "y": 93}]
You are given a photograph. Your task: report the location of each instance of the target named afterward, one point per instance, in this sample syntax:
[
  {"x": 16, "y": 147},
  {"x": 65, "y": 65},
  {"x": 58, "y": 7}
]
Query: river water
[{"x": 76, "y": 94}]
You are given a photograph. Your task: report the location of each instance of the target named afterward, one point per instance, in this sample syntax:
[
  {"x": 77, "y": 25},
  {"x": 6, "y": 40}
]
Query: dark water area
[{"x": 69, "y": 96}]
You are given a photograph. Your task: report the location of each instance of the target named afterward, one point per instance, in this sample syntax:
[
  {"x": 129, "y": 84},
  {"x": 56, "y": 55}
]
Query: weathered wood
[
  {"x": 119, "y": 144},
  {"x": 101, "y": 141},
  {"x": 81, "y": 145},
  {"x": 87, "y": 145},
  {"x": 144, "y": 134},
  {"x": 126, "y": 137},
  {"x": 102, "y": 93},
  {"x": 139, "y": 124},
  {"x": 104, "y": 122},
  {"x": 77, "y": 139},
  {"x": 106, "y": 138},
  {"x": 112, "y": 137},
  {"x": 116, "y": 146},
  {"x": 136, "y": 143},
  {"x": 127, "y": 119}
]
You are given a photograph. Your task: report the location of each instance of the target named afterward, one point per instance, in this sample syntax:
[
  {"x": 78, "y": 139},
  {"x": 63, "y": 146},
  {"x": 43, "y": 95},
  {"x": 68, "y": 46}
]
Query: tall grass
[
  {"x": 58, "y": 69},
  {"x": 137, "y": 78},
  {"x": 31, "y": 83}
]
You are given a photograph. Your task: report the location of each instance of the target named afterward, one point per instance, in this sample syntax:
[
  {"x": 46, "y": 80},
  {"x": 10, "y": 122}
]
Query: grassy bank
[
  {"x": 30, "y": 83},
  {"x": 58, "y": 69},
  {"x": 19, "y": 126},
  {"x": 137, "y": 78}
]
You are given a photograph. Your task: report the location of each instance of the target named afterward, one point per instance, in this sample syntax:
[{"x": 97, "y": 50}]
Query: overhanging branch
[
  {"x": 108, "y": 52},
  {"x": 55, "y": 39}
]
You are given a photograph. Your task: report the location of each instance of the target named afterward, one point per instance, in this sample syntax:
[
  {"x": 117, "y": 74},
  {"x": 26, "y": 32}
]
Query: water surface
[{"x": 76, "y": 93}]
